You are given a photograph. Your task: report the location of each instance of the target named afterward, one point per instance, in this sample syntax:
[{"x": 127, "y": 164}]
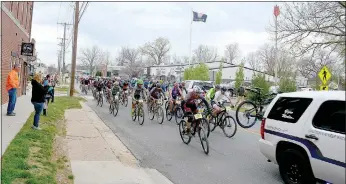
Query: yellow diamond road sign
[
  {"x": 323, "y": 88},
  {"x": 324, "y": 75}
]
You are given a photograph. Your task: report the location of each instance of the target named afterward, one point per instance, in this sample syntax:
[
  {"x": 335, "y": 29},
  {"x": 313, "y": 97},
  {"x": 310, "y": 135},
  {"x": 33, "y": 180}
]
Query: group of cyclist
[{"x": 152, "y": 90}]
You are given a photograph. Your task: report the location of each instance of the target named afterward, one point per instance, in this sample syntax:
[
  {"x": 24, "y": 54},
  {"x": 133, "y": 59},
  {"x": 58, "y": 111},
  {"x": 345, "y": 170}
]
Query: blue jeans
[
  {"x": 12, "y": 98},
  {"x": 38, "y": 109}
]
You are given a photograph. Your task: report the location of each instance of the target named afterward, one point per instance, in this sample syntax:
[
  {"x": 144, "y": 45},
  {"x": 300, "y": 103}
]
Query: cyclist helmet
[
  {"x": 217, "y": 87},
  {"x": 158, "y": 85},
  {"x": 196, "y": 89},
  {"x": 223, "y": 89},
  {"x": 116, "y": 83},
  {"x": 139, "y": 82}
]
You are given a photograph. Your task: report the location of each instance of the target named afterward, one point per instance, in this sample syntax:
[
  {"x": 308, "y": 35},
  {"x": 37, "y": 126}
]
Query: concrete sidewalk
[
  {"x": 11, "y": 125},
  {"x": 98, "y": 157}
]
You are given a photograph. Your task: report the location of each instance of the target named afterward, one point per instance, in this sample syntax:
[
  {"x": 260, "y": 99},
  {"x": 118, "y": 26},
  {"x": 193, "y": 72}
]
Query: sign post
[
  {"x": 276, "y": 14},
  {"x": 324, "y": 75}
]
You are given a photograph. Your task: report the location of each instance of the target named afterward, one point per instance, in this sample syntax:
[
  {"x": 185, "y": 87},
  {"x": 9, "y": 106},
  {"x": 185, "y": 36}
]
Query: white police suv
[{"x": 304, "y": 133}]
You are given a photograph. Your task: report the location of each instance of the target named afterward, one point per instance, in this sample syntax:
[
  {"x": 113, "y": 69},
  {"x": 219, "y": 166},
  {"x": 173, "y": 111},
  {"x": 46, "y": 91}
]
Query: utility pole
[
  {"x": 64, "y": 47},
  {"x": 74, "y": 47}
]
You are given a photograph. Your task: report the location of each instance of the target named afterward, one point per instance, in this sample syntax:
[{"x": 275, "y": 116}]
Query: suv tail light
[{"x": 262, "y": 127}]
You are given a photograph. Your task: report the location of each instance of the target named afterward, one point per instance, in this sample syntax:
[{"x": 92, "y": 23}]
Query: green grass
[
  {"x": 28, "y": 158},
  {"x": 70, "y": 177},
  {"x": 63, "y": 89}
]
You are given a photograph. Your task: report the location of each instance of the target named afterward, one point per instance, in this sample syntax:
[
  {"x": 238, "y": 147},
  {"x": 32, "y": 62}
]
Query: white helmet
[
  {"x": 116, "y": 83},
  {"x": 196, "y": 89}
]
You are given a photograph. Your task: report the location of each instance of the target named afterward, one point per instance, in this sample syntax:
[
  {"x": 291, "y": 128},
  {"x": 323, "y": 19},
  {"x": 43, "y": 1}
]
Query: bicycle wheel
[
  {"x": 229, "y": 126},
  {"x": 204, "y": 139},
  {"x": 213, "y": 123},
  {"x": 101, "y": 101},
  {"x": 169, "y": 114},
  {"x": 160, "y": 115},
  {"x": 140, "y": 115},
  {"x": 186, "y": 138},
  {"x": 151, "y": 113},
  {"x": 205, "y": 124},
  {"x": 179, "y": 113},
  {"x": 111, "y": 108},
  {"x": 134, "y": 114},
  {"x": 126, "y": 101},
  {"x": 116, "y": 108},
  {"x": 166, "y": 104},
  {"x": 246, "y": 111}
]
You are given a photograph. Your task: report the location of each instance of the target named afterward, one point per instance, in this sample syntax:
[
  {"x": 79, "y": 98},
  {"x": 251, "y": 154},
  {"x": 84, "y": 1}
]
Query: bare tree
[
  {"x": 232, "y": 53},
  {"x": 91, "y": 57},
  {"x": 105, "y": 59},
  {"x": 120, "y": 59},
  {"x": 204, "y": 53},
  {"x": 254, "y": 61},
  {"x": 310, "y": 66},
  {"x": 180, "y": 60},
  {"x": 309, "y": 26},
  {"x": 285, "y": 62},
  {"x": 267, "y": 57},
  {"x": 157, "y": 51},
  {"x": 132, "y": 59}
]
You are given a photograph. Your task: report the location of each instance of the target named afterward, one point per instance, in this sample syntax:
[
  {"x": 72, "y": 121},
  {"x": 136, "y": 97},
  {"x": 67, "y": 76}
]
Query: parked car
[
  {"x": 304, "y": 133},
  {"x": 202, "y": 85}
]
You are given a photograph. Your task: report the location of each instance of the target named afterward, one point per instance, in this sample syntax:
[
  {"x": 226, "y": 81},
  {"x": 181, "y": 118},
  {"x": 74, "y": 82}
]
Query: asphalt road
[{"x": 235, "y": 160}]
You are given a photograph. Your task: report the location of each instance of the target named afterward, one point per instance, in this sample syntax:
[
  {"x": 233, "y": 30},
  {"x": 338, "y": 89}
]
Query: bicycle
[
  {"x": 256, "y": 107},
  {"x": 196, "y": 126},
  {"x": 84, "y": 89},
  {"x": 114, "y": 105},
  {"x": 123, "y": 98},
  {"x": 156, "y": 109},
  {"x": 177, "y": 111},
  {"x": 100, "y": 98},
  {"x": 223, "y": 120},
  {"x": 138, "y": 112}
]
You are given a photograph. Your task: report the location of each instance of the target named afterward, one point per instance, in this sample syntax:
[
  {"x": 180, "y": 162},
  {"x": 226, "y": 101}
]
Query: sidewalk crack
[{"x": 77, "y": 136}]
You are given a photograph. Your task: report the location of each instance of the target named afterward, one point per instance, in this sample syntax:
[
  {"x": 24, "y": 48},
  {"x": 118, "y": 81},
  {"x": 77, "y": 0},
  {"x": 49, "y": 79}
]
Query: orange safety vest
[{"x": 12, "y": 80}]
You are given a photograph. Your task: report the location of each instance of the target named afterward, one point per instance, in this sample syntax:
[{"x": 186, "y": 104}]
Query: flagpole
[{"x": 190, "y": 38}]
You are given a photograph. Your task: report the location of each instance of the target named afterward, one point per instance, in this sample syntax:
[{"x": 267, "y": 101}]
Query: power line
[
  {"x": 82, "y": 9},
  {"x": 86, "y": 6}
]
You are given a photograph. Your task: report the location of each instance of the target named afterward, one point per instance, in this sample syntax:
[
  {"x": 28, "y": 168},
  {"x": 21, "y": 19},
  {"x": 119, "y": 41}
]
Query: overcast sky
[{"x": 111, "y": 25}]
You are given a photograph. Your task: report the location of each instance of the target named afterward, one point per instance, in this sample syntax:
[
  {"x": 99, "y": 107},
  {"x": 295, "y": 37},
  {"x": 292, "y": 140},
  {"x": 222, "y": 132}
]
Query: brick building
[{"x": 16, "y": 22}]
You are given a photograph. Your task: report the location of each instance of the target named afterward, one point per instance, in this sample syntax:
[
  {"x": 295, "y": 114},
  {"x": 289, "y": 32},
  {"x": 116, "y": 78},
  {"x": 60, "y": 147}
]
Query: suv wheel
[{"x": 295, "y": 168}]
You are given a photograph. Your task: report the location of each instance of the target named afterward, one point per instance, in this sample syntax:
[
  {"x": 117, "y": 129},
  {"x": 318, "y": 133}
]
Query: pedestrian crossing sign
[
  {"x": 324, "y": 88},
  {"x": 324, "y": 75}
]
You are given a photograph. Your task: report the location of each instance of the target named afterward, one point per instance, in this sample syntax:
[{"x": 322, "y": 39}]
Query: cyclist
[
  {"x": 216, "y": 102},
  {"x": 183, "y": 88},
  {"x": 155, "y": 94},
  {"x": 174, "y": 93},
  {"x": 138, "y": 93},
  {"x": 116, "y": 89},
  {"x": 190, "y": 102},
  {"x": 211, "y": 93},
  {"x": 146, "y": 84}
]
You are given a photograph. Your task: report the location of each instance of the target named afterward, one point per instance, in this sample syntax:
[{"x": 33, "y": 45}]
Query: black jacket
[{"x": 38, "y": 92}]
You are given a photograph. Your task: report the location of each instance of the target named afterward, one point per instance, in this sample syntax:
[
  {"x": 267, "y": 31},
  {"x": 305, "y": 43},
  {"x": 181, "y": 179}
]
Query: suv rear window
[
  {"x": 205, "y": 85},
  {"x": 289, "y": 109},
  {"x": 331, "y": 116}
]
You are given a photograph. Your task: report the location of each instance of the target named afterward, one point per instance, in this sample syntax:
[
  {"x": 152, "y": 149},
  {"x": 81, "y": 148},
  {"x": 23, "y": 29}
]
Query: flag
[
  {"x": 198, "y": 17},
  {"x": 276, "y": 11}
]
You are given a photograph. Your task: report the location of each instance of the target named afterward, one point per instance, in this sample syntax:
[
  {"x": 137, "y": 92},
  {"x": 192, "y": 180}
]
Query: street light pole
[{"x": 74, "y": 48}]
